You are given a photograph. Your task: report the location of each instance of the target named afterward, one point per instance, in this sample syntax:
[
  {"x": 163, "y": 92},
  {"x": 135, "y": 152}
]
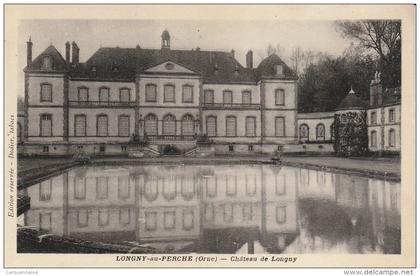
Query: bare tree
[{"x": 382, "y": 36}]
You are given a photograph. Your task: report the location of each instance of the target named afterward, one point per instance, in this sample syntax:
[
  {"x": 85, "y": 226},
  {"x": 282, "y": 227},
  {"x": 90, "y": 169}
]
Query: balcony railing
[
  {"x": 230, "y": 106},
  {"x": 100, "y": 103},
  {"x": 171, "y": 137}
]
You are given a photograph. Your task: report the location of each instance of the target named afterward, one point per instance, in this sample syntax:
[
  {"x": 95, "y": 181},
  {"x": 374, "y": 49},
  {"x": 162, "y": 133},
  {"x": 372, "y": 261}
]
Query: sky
[{"x": 241, "y": 36}]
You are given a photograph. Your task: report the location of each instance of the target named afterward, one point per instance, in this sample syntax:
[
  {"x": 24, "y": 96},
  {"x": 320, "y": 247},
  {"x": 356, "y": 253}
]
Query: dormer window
[
  {"x": 279, "y": 70},
  {"x": 93, "y": 68},
  {"x": 115, "y": 69},
  {"x": 216, "y": 69},
  {"x": 47, "y": 63}
]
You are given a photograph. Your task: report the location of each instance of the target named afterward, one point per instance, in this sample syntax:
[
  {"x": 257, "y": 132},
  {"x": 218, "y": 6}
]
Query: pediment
[{"x": 170, "y": 67}]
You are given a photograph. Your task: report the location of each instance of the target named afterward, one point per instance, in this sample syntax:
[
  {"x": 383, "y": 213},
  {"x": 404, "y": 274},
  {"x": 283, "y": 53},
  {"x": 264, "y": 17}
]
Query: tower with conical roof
[{"x": 350, "y": 127}]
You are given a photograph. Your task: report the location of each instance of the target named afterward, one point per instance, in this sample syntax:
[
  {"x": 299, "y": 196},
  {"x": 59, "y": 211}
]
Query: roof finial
[{"x": 351, "y": 90}]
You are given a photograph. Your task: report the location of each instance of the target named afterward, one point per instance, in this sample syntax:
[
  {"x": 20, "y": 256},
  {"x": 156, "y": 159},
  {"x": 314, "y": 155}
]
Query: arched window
[
  {"x": 391, "y": 138},
  {"x": 151, "y": 125},
  {"x": 46, "y": 125},
  {"x": 46, "y": 92},
  {"x": 231, "y": 126},
  {"x": 320, "y": 132},
  {"x": 373, "y": 139},
  {"x": 169, "y": 125},
  {"x": 211, "y": 126},
  {"x": 102, "y": 125},
  {"x": 187, "y": 125},
  {"x": 104, "y": 94},
  {"x": 246, "y": 97},
  {"x": 303, "y": 133}
]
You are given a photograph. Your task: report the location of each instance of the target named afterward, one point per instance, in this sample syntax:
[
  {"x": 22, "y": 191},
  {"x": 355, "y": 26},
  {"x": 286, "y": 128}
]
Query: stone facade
[{"x": 165, "y": 96}]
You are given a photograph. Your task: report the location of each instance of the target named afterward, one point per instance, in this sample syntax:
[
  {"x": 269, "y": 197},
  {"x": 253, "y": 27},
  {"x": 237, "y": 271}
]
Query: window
[
  {"x": 79, "y": 188},
  {"x": 169, "y": 125},
  {"x": 187, "y": 219},
  {"x": 208, "y": 96},
  {"x": 124, "y": 95},
  {"x": 102, "y": 125},
  {"x": 320, "y": 132},
  {"x": 151, "y": 125},
  {"x": 250, "y": 147},
  {"x": 102, "y": 187},
  {"x": 123, "y": 148},
  {"x": 19, "y": 132},
  {"x": 247, "y": 212},
  {"x": 169, "y": 93},
  {"x": 151, "y": 221},
  {"x": 102, "y": 148},
  {"x": 373, "y": 139},
  {"x": 228, "y": 213},
  {"x": 391, "y": 115},
  {"x": 46, "y": 92},
  {"x": 150, "y": 93},
  {"x": 231, "y": 183},
  {"x": 303, "y": 133},
  {"x": 279, "y": 70},
  {"x": 230, "y": 126},
  {"x": 79, "y": 125},
  {"x": 332, "y": 131},
  {"x": 124, "y": 125},
  {"x": 280, "y": 184},
  {"x": 279, "y": 126},
  {"x": 46, "y": 149},
  {"x": 246, "y": 97},
  {"x": 187, "y": 94},
  {"x": 279, "y": 96},
  {"x": 83, "y": 94},
  {"x": 211, "y": 186},
  {"x": 45, "y": 188},
  {"x": 103, "y": 217},
  {"x": 125, "y": 216},
  {"x": 82, "y": 218},
  {"x": 103, "y": 94},
  {"x": 281, "y": 214},
  {"x": 45, "y": 221},
  {"x": 47, "y": 63},
  {"x": 373, "y": 119},
  {"x": 46, "y": 125},
  {"x": 211, "y": 126},
  {"x": 391, "y": 138},
  {"x": 169, "y": 220},
  {"x": 231, "y": 148},
  {"x": 227, "y": 97},
  {"x": 187, "y": 125},
  {"x": 123, "y": 187},
  {"x": 250, "y": 126}
]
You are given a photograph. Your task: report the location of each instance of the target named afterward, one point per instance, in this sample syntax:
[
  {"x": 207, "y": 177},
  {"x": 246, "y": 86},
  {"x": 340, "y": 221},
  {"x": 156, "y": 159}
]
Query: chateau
[{"x": 152, "y": 99}]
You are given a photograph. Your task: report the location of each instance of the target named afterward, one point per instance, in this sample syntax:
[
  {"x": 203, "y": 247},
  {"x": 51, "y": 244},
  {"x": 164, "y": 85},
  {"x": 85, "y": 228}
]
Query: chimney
[
  {"x": 249, "y": 59},
  {"x": 29, "y": 52},
  {"x": 232, "y": 53},
  {"x": 376, "y": 90},
  {"x": 75, "y": 53},
  {"x": 68, "y": 53}
]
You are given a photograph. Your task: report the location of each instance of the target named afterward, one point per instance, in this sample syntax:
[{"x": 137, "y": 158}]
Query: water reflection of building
[{"x": 220, "y": 208}]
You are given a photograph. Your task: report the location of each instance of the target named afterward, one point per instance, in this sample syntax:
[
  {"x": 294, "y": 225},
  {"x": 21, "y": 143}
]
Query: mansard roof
[
  {"x": 214, "y": 66},
  {"x": 267, "y": 68},
  {"x": 58, "y": 62}
]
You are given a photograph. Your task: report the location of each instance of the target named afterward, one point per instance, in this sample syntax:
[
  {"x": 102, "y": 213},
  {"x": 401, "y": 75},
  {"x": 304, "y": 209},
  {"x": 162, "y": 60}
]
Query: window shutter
[
  {"x": 124, "y": 126},
  {"x": 231, "y": 126}
]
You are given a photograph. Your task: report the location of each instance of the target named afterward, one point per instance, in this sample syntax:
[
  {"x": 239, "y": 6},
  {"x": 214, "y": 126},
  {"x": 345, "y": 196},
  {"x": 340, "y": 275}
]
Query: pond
[{"x": 220, "y": 209}]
